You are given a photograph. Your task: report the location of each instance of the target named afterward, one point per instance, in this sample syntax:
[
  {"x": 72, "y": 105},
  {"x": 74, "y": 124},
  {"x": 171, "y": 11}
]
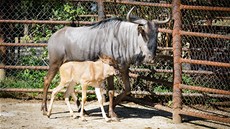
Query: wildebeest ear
[
  {"x": 141, "y": 31},
  {"x": 140, "y": 21}
]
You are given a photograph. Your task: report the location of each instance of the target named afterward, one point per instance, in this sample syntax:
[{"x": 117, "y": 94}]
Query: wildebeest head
[{"x": 149, "y": 31}]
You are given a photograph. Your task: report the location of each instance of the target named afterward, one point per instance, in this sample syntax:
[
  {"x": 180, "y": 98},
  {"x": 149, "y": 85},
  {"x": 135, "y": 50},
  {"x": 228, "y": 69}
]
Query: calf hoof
[
  {"x": 84, "y": 112},
  {"x": 83, "y": 119},
  {"x": 108, "y": 119},
  {"x": 48, "y": 115},
  {"x": 74, "y": 116}
]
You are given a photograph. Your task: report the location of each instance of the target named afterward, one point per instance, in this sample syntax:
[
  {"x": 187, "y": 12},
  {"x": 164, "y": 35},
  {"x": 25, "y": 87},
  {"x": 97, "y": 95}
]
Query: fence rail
[{"x": 45, "y": 22}]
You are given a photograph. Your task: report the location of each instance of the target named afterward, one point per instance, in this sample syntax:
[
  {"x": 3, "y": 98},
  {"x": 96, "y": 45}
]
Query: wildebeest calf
[{"x": 87, "y": 73}]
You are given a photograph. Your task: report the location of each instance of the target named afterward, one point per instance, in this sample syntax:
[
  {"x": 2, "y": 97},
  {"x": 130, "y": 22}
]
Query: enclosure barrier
[
  {"x": 178, "y": 60},
  {"x": 177, "y": 31}
]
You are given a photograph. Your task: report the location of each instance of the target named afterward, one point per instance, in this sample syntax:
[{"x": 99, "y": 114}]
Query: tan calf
[{"x": 86, "y": 73}]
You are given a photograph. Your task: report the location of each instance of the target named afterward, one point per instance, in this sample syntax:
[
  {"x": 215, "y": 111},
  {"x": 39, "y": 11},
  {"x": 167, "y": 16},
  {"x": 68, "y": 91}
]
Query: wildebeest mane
[{"x": 104, "y": 23}]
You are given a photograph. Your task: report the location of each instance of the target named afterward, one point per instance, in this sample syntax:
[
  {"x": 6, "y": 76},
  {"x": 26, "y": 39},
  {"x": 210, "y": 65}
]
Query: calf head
[
  {"x": 108, "y": 70},
  {"x": 107, "y": 60},
  {"x": 108, "y": 65}
]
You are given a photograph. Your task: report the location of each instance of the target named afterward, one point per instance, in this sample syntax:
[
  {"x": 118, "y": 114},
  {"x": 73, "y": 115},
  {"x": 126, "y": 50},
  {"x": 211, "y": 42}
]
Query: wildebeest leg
[
  {"x": 126, "y": 86},
  {"x": 112, "y": 114},
  {"x": 53, "y": 69}
]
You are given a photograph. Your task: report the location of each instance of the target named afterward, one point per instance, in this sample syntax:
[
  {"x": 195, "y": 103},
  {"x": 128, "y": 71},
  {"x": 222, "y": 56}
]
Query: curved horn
[
  {"x": 164, "y": 21},
  {"x": 135, "y": 19},
  {"x": 128, "y": 14}
]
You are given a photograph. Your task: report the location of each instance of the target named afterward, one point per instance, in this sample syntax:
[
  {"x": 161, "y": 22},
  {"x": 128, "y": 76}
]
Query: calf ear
[
  {"x": 141, "y": 31},
  {"x": 107, "y": 60},
  {"x": 101, "y": 57}
]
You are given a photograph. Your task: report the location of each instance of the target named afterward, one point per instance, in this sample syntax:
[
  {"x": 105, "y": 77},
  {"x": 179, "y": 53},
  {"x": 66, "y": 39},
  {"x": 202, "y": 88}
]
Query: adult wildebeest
[{"x": 128, "y": 42}]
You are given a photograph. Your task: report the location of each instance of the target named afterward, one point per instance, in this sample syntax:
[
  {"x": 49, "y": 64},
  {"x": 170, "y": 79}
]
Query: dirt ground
[{"x": 26, "y": 114}]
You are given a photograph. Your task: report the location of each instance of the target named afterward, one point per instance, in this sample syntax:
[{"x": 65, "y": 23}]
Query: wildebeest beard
[{"x": 138, "y": 58}]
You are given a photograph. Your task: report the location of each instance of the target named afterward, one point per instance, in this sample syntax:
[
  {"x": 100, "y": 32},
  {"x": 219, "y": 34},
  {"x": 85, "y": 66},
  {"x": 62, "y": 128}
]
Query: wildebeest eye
[{"x": 142, "y": 32}]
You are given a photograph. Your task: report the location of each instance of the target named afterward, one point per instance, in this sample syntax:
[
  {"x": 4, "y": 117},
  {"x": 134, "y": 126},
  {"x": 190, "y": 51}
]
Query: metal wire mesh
[
  {"x": 211, "y": 21},
  {"x": 57, "y": 10},
  {"x": 34, "y": 33},
  {"x": 151, "y": 79}
]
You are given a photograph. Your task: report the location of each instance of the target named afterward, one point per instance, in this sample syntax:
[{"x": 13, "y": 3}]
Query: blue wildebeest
[{"x": 130, "y": 41}]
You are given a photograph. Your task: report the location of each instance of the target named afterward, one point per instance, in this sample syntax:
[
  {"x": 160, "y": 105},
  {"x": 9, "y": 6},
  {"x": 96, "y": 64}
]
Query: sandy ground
[{"x": 26, "y": 114}]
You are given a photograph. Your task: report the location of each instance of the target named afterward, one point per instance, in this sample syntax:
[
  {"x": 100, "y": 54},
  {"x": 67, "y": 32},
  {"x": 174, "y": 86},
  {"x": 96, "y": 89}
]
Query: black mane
[{"x": 104, "y": 22}]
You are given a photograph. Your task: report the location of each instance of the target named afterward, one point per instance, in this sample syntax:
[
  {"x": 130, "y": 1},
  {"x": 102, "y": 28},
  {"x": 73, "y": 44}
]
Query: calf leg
[
  {"x": 78, "y": 103},
  {"x": 100, "y": 100},
  {"x": 70, "y": 91},
  {"x": 84, "y": 89},
  {"x": 55, "y": 91},
  {"x": 75, "y": 99}
]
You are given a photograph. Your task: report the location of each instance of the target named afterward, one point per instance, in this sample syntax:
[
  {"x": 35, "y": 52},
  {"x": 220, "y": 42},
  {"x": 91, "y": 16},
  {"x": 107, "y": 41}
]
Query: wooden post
[
  {"x": 2, "y": 58},
  {"x": 101, "y": 14}
]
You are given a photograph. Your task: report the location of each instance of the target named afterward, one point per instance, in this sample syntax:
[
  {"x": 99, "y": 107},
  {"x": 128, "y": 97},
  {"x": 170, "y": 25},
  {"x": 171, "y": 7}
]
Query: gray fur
[{"x": 114, "y": 37}]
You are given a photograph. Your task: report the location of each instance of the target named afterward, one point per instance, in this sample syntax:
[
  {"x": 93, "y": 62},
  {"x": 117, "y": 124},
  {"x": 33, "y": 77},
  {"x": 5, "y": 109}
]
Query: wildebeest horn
[
  {"x": 128, "y": 14},
  {"x": 135, "y": 19},
  {"x": 164, "y": 21}
]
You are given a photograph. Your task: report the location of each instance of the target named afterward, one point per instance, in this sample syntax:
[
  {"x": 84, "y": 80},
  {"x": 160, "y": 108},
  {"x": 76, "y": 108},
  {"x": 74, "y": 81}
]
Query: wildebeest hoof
[
  {"x": 44, "y": 107},
  {"x": 44, "y": 112},
  {"x": 112, "y": 114}
]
